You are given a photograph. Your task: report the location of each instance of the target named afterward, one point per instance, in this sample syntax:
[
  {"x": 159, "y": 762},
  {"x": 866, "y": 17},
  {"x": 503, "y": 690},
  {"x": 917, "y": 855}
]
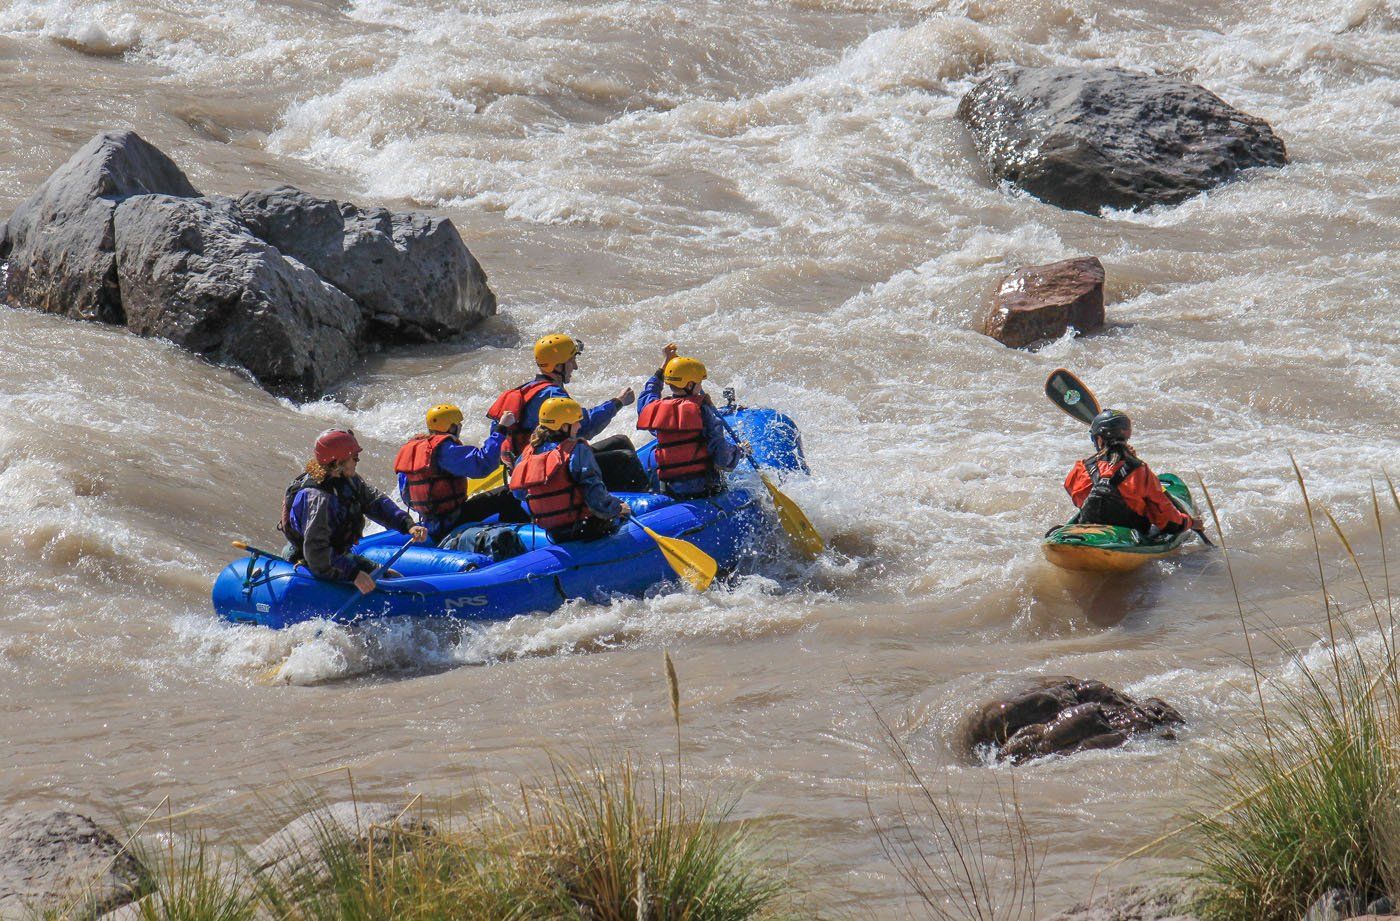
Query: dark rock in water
[
  {"x": 411, "y": 273},
  {"x": 61, "y": 860},
  {"x": 58, "y": 246},
  {"x": 298, "y": 845},
  {"x": 1061, "y": 716},
  {"x": 1089, "y": 139},
  {"x": 291, "y": 287},
  {"x": 190, "y": 273},
  {"x": 1168, "y": 902},
  {"x": 1041, "y": 302}
]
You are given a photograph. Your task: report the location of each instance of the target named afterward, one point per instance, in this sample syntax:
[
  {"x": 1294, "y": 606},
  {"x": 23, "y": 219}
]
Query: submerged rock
[
  {"x": 298, "y": 846},
  {"x": 1063, "y": 715},
  {"x": 1090, "y": 139},
  {"x": 291, "y": 287},
  {"x": 65, "y": 863},
  {"x": 1042, "y": 302}
]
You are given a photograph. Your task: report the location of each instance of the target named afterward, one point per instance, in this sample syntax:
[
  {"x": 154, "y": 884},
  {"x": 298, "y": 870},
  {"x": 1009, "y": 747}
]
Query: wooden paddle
[
  {"x": 799, "y": 529},
  {"x": 1073, "y": 396},
  {"x": 692, "y": 564}
]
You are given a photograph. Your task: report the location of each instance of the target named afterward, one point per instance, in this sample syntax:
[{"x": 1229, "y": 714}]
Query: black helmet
[{"x": 1111, "y": 425}]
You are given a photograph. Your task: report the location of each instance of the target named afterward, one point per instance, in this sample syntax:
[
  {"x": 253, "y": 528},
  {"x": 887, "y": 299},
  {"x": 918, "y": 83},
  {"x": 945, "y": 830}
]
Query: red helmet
[{"x": 336, "y": 445}]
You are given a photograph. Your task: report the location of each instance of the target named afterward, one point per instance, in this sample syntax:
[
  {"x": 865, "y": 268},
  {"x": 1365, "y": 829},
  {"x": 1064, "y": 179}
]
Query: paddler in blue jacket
[
  {"x": 559, "y": 482},
  {"x": 324, "y": 512},
  {"x": 434, "y": 467},
  {"x": 556, "y": 356},
  {"x": 692, "y": 446}
]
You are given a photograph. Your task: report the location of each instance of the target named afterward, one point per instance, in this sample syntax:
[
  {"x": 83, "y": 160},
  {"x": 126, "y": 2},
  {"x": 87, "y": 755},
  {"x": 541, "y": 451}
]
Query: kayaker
[
  {"x": 559, "y": 482},
  {"x": 556, "y": 356},
  {"x": 691, "y": 447},
  {"x": 433, "y": 469},
  {"x": 324, "y": 512},
  {"x": 1115, "y": 487}
]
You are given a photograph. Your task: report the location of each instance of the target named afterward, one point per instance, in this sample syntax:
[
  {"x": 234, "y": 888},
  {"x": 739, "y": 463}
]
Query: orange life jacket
[
  {"x": 430, "y": 492},
  {"x": 514, "y": 401},
  {"x": 554, "y": 499},
  {"x": 679, "y": 424}
]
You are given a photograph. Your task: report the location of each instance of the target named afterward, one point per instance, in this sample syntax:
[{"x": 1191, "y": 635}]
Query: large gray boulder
[
  {"x": 66, "y": 863},
  {"x": 1089, "y": 139},
  {"x": 191, "y": 273},
  {"x": 289, "y": 286},
  {"x": 411, "y": 273},
  {"x": 58, "y": 245}
]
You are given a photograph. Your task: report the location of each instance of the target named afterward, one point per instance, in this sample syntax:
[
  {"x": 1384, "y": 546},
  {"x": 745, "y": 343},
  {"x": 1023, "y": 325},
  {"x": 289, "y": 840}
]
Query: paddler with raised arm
[
  {"x": 325, "y": 508},
  {"x": 559, "y": 482},
  {"x": 1115, "y": 487},
  {"x": 433, "y": 469},
  {"x": 556, "y": 357},
  {"x": 691, "y": 444}
]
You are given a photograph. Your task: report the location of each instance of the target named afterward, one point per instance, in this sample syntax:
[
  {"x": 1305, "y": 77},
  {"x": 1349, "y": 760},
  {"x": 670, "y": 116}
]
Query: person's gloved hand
[
  {"x": 625, "y": 511},
  {"x": 625, "y": 397},
  {"x": 364, "y": 582},
  {"x": 1198, "y": 524},
  {"x": 418, "y": 533},
  {"x": 668, "y": 351},
  {"x": 507, "y": 420}
]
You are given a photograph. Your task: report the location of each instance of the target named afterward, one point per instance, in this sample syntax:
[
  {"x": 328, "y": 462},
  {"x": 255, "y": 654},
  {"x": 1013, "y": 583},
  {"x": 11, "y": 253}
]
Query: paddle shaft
[
  {"x": 255, "y": 551},
  {"x": 379, "y": 570}
]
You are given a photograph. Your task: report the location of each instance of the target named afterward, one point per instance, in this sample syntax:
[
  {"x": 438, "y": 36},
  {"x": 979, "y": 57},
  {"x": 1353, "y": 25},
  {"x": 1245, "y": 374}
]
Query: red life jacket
[
  {"x": 679, "y": 424},
  {"x": 554, "y": 499},
  {"x": 430, "y": 492},
  {"x": 514, "y": 401}
]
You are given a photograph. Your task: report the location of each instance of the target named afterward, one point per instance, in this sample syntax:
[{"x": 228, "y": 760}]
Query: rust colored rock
[{"x": 1040, "y": 302}]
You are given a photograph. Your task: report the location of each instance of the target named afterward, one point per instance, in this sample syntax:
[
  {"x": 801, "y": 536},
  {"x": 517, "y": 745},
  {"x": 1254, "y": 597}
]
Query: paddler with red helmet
[
  {"x": 433, "y": 468},
  {"x": 559, "y": 482},
  {"x": 1115, "y": 487},
  {"x": 324, "y": 513},
  {"x": 691, "y": 443},
  {"x": 556, "y": 357}
]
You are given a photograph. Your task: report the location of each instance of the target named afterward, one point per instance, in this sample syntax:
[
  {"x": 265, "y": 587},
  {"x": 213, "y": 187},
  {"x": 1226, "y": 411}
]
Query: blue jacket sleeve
[
  {"x": 597, "y": 419},
  {"x": 584, "y": 469},
  {"x": 651, "y": 392},
  {"x": 724, "y": 454},
  {"x": 467, "y": 460}
]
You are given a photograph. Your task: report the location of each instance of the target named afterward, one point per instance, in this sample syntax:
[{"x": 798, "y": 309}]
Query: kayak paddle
[
  {"x": 691, "y": 563},
  {"x": 378, "y": 571},
  {"x": 804, "y": 536},
  {"x": 1073, "y": 396},
  {"x": 493, "y": 480}
]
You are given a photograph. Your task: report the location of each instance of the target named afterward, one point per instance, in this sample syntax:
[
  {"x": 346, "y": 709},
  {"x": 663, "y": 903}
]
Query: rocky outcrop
[
  {"x": 1042, "y": 302},
  {"x": 411, "y": 273},
  {"x": 66, "y": 863},
  {"x": 289, "y": 286},
  {"x": 1167, "y": 902},
  {"x": 1063, "y": 715},
  {"x": 1090, "y": 139},
  {"x": 190, "y": 273},
  {"x": 58, "y": 246}
]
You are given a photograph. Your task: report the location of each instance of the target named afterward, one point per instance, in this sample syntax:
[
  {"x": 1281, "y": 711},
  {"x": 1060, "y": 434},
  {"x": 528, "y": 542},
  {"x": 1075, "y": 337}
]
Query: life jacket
[
  {"x": 679, "y": 424},
  {"x": 347, "y": 518},
  {"x": 1105, "y": 503},
  {"x": 430, "y": 492},
  {"x": 514, "y": 401},
  {"x": 554, "y": 499}
]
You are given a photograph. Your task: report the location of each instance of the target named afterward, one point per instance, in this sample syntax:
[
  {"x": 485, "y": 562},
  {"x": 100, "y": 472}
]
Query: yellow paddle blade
[
  {"x": 803, "y": 535},
  {"x": 493, "y": 480},
  {"x": 691, "y": 563}
]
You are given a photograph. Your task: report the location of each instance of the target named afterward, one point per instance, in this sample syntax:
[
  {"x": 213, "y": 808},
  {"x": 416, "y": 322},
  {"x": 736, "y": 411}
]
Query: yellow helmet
[
  {"x": 443, "y": 416},
  {"x": 555, "y": 349},
  {"x": 682, "y": 372},
  {"x": 558, "y": 412}
]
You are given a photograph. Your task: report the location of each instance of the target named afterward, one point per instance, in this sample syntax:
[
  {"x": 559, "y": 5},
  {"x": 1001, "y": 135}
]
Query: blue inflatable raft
[{"x": 271, "y": 592}]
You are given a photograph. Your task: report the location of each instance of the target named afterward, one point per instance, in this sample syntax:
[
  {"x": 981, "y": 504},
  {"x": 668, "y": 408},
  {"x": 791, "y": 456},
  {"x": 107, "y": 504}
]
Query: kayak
[
  {"x": 271, "y": 592},
  {"x": 1109, "y": 548}
]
